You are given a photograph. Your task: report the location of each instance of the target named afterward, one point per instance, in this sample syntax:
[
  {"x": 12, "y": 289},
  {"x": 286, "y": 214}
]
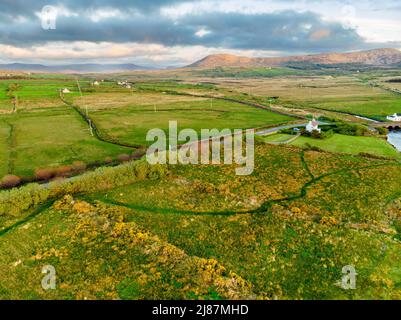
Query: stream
[{"x": 394, "y": 138}]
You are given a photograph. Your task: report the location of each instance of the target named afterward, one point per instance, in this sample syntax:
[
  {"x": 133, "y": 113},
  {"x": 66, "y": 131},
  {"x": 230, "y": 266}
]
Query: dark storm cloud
[
  {"x": 141, "y": 22},
  {"x": 13, "y": 8}
]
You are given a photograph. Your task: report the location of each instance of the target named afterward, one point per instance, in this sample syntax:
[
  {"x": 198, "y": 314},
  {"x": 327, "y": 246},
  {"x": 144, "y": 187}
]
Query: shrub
[
  {"x": 17, "y": 200},
  {"x": 123, "y": 157},
  {"x": 316, "y": 135},
  {"x": 137, "y": 154},
  {"x": 312, "y": 148},
  {"x": 10, "y": 181},
  {"x": 108, "y": 160},
  {"x": 382, "y": 131},
  {"x": 351, "y": 129},
  {"x": 79, "y": 166},
  {"x": 45, "y": 174},
  {"x": 63, "y": 171}
]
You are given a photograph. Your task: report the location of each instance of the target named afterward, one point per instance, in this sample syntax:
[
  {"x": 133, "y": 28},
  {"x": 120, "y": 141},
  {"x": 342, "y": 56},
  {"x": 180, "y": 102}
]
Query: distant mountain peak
[{"x": 384, "y": 56}]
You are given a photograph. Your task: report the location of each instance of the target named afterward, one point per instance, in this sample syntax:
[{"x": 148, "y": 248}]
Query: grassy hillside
[
  {"x": 352, "y": 145},
  {"x": 290, "y": 228}
]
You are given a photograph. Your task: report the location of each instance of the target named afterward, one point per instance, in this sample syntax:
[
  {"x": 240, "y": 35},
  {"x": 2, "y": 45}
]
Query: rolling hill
[{"x": 379, "y": 57}]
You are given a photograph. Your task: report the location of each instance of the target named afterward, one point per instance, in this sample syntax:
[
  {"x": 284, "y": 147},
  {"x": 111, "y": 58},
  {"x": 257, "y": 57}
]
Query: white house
[
  {"x": 95, "y": 83},
  {"x": 65, "y": 90},
  {"x": 313, "y": 126},
  {"x": 395, "y": 117}
]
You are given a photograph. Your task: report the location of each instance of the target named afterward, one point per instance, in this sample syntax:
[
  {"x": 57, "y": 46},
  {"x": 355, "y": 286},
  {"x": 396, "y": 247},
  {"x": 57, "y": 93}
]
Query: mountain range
[
  {"x": 377, "y": 57},
  {"x": 72, "y": 68}
]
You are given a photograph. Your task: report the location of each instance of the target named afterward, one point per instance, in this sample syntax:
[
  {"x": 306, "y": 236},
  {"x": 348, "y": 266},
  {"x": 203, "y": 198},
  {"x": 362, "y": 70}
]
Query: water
[{"x": 394, "y": 138}]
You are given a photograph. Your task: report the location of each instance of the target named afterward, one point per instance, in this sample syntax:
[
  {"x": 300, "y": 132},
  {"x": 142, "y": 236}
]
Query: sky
[{"x": 163, "y": 33}]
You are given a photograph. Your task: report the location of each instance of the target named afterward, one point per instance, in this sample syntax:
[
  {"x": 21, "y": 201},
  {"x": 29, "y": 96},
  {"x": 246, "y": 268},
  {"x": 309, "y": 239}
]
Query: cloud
[
  {"x": 103, "y": 28},
  {"x": 286, "y": 30}
]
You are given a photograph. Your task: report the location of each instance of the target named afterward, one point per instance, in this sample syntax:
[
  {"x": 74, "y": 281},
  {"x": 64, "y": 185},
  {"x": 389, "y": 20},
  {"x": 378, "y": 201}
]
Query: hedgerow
[{"x": 15, "y": 201}]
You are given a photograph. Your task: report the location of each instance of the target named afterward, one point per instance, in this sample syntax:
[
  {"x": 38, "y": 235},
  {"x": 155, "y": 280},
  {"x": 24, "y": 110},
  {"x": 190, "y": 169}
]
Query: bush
[
  {"x": 382, "y": 131},
  {"x": 15, "y": 201},
  {"x": 64, "y": 171},
  {"x": 316, "y": 135},
  {"x": 123, "y": 157},
  {"x": 137, "y": 154},
  {"x": 10, "y": 181},
  {"x": 45, "y": 174},
  {"x": 79, "y": 166},
  {"x": 108, "y": 160},
  {"x": 351, "y": 129},
  {"x": 312, "y": 148}
]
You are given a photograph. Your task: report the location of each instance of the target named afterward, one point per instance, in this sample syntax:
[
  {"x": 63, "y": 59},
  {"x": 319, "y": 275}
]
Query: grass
[
  {"x": 172, "y": 243},
  {"x": 51, "y": 139},
  {"x": 342, "y": 93},
  {"x": 201, "y": 232},
  {"x": 352, "y": 145},
  {"x": 131, "y": 123},
  {"x": 4, "y": 147}
]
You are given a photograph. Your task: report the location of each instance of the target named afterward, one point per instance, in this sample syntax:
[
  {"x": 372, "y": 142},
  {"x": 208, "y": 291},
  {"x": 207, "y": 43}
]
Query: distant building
[
  {"x": 95, "y": 83},
  {"x": 313, "y": 126},
  {"x": 65, "y": 90},
  {"x": 395, "y": 117}
]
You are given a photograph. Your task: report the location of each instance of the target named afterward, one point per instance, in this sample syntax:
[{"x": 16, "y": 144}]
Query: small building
[
  {"x": 395, "y": 118},
  {"x": 95, "y": 83},
  {"x": 65, "y": 90},
  {"x": 313, "y": 126}
]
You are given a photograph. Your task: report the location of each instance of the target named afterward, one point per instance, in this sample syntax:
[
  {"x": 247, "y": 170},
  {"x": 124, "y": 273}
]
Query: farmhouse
[
  {"x": 313, "y": 126},
  {"x": 95, "y": 83},
  {"x": 65, "y": 90},
  {"x": 395, "y": 117}
]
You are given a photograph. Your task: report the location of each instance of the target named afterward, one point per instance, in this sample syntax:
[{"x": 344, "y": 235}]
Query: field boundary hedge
[{"x": 17, "y": 200}]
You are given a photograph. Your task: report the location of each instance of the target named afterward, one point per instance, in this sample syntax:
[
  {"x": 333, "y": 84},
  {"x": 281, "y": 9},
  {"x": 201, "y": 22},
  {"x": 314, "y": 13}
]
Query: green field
[
  {"x": 131, "y": 123},
  {"x": 341, "y": 93},
  {"x": 352, "y": 145},
  {"x": 64, "y": 138},
  {"x": 136, "y": 231},
  {"x": 290, "y": 227}
]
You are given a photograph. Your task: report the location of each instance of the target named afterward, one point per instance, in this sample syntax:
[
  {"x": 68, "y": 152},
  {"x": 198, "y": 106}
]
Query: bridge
[{"x": 391, "y": 125}]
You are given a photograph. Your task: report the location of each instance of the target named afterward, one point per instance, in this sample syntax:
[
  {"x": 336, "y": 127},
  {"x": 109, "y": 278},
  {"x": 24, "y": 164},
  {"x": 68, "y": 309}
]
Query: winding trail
[{"x": 263, "y": 209}]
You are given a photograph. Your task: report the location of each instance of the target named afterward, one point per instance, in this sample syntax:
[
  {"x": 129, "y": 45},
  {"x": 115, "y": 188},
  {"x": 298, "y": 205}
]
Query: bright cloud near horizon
[{"x": 178, "y": 32}]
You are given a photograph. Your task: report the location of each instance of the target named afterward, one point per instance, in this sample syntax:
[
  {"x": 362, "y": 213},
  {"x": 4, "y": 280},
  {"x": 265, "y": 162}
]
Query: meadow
[
  {"x": 338, "y": 143},
  {"x": 47, "y": 133},
  {"x": 135, "y": 231},
  {"x": 290, "y": 227},
  {"x": 348, "y": 94},
  {"x": 134, "y": 115}
]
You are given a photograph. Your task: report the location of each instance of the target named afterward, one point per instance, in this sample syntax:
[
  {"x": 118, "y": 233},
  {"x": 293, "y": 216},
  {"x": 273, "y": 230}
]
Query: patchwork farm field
[
  {"x": 344, "y": 94},
  {"x": 137, "y": 113},
  {"x": 119, "y": 228},
  {"x": 47, "y": 133}
]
